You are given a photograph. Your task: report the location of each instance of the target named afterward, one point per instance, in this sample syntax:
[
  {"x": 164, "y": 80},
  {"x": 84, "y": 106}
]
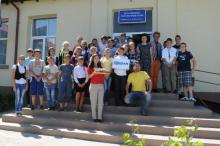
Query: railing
[{"x": 206, "y": 82}]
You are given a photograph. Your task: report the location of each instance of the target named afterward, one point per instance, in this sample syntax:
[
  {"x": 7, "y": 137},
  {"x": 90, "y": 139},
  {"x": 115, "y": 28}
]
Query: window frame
[{"x": 4, "y": 65}]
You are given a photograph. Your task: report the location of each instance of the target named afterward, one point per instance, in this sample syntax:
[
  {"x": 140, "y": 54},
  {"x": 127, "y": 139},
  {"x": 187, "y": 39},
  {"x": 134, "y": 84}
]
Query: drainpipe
[{"x": 17, "y": 30}]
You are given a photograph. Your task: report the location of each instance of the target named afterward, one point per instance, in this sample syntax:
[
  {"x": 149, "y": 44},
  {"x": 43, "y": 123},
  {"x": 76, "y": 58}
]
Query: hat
[
  {"x": 37, "y": 50},
  {"x": 30, "y": 50}
]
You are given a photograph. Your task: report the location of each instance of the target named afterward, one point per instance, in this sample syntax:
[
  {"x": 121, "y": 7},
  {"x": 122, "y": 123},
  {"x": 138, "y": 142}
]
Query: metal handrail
[
  {"x": 208, "y": 72},
  {"x": 216, "y": 84}
]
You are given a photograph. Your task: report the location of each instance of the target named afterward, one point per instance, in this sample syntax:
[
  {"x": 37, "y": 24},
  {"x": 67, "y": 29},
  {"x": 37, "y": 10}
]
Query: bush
[{"x": 7, "y": 102}]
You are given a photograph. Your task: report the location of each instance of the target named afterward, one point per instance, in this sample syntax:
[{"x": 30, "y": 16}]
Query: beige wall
[{"x": 196, "y": 20}]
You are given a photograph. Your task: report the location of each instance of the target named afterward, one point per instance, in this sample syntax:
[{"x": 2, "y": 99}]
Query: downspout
[{"x": 17, "y": 30}]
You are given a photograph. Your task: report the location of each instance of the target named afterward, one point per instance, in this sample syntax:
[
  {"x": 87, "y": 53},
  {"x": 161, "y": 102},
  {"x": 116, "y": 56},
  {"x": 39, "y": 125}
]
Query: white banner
[{"x": 121, "y": 63}]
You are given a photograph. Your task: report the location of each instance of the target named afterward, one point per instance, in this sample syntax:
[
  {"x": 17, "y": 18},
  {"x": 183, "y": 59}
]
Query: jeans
[
  {"x": 107, "y": 87},
  {"x": 19, "y": 97},
  {"x": 138, "y": 97},
  {"x": 50, "y": 91}
]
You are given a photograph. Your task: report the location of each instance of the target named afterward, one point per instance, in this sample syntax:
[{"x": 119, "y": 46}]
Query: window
[
  {"x": 3, "y": 41},
  {"x": 44, "y": 34}
]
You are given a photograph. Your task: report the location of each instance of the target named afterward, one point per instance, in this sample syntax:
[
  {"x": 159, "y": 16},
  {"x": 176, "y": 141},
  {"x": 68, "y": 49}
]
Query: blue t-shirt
[{"x": 66, "y": 72}]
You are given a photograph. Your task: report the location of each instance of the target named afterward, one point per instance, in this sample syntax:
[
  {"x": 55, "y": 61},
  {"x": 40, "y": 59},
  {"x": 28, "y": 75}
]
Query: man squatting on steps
[{"x": 140, "y": 81}]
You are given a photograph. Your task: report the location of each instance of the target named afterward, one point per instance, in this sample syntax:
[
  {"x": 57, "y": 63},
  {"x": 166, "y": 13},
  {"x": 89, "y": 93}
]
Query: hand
[
  {"x": 80, "y": 85},
  {"x": 14, "y": 88}
]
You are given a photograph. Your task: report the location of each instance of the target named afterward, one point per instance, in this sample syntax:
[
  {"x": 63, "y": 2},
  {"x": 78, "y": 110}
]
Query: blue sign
[{"x": 132, "y": 16}]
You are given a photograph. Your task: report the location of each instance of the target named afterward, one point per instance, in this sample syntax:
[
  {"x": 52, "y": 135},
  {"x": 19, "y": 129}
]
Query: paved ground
[{"x": 8, "y": 138}]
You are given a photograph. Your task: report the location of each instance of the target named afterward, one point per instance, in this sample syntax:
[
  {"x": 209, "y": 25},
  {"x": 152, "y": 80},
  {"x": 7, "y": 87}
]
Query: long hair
[{"x": 92, "y": 64}]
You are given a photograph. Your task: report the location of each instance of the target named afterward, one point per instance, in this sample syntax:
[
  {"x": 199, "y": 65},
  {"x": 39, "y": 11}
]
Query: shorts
[
  {"x": 185, "y": 78},
  {"x": 36, "y": 88}
]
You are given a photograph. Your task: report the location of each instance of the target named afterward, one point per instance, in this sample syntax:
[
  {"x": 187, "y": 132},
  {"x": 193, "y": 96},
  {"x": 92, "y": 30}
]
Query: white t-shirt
[
  {"x": 21, "y": 69},
  {"x": 169, "y": 54},
  {"x": 51, "y": 72},
  {"x": 80, "y": 72},
  {"x": 120, "y": 72}
]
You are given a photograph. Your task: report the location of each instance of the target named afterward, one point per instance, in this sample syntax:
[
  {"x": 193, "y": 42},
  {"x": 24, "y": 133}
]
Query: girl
[
  {"x": 96, "y": 88},
  {"x": 50, "y": 76},
  {"x": 19, "y": 77},
  {"x": 120, "y": 77},
  {"x": 185, "y": 72},
  {"x": 145, "y": 54},
  {"x": 65, "y": 83},
  {"x": 80, "y": 78},
  {"x": 106, "y": 61},
  {"x": 133, "y": 55},
  {"x": 51, "y": 53}
]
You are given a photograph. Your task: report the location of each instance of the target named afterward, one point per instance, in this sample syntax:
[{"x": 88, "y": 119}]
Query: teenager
[
  {"x": 185, "y": 72},
  {"x": 36, "y": 67},
  {"x": 156, "y": 54},
  {"x": 106, "y": 61},
  {"x": 139, "y": 80},
  {"x": 120, "y": 77},
  {"x": 29, "y": 57},
  {"x": 19, "y": 80},
  {"x": 133, "y": 54},
  {"x": 169, "y": 55},
  {"x": 51, "y": 53},
  {"x": 103, "y": 45},
  {"x": 65, "y": 83},
  {"x": 145, "y": 55},
  {"x": 111, "y": 46},
  {"x": 77, "y": 53},
  {"x": 50, "y": 77},
  {"x": 178, "y": 42},
  {"x": 96, "y": 88},
  {"x": 80, "y": 79},
  {"x": 64, "y": 51}
]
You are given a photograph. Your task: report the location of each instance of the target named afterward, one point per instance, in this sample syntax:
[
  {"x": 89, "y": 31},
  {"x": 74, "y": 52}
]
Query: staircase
[{"x": 166, "y": 112}]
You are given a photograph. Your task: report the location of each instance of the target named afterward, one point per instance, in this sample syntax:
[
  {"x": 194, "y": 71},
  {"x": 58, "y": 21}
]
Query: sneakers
[
  {"x": 126, "y": 100},
  {"x": 188, "y": 99},
  {"x": 19, "y": 114}
]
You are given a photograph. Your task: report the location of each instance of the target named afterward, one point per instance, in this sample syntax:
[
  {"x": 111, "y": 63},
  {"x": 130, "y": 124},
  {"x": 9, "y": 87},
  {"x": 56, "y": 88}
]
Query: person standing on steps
[
  {"x": 36, "y": 67},
  {"x": 139, "y": 81},
  {"x": 27, "y": 60},
  {"x": 50, "y": 78},
  {"x": 185, "y": 72},
  {"x": 65, "y": 83},
  {"x": 96, "y": 88},
  {"x": 80, "y": 78},
  {"x": 19, "y": 79}
]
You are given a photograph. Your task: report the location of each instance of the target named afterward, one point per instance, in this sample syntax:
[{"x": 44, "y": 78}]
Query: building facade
[{"x": 50, "y": 22}]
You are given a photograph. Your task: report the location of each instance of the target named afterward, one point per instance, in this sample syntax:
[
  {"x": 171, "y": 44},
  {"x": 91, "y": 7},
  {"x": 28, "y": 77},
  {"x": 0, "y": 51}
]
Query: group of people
[{"x": 90, "y": 67}]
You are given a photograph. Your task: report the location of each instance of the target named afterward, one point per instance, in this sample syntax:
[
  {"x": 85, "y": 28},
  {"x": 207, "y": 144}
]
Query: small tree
[{"x": 183, "y": 136}]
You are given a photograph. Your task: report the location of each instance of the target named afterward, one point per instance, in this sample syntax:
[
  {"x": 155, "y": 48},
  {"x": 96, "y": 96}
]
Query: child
[
  {"x": 169, "y": 55},
  {"x": 80, "y": 78},
  {"x": 96, "y": 88},
  {"x": 36, "y": 67},
  {"x": 65, "y": 83},
  {"x": 106, "y": 61},
  {"x": 19, "y": 77},
  {"x": 185, "y": 71},
  {"x": 120, "y": 78},
  {"x": 50, "y": 76}
]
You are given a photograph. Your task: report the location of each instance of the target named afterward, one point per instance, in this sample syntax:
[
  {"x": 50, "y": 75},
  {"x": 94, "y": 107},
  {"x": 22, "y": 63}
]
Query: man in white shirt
[{"x": 169, "y": 55}]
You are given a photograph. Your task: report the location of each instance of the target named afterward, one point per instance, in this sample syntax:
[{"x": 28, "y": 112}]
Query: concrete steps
[
  {"x": 166, "y": 113},
  {"x": 92, "y": 135}
]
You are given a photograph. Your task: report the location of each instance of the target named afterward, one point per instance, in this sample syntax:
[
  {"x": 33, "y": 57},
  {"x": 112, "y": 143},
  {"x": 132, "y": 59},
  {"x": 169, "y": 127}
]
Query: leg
[
  {"x": 53, "y": 93},
  {"x": 173, "y": 77},
  {"x": 156, "y": 72},
  {"x": 93, "y": 99},
  {"x": 77, "y": 100},
  {"x": 41, "y": 91},
  {"x": 48, "y": 92},
  {"x": 122, "y": 89},
  {"x": 100, "y": 101},
  {"x": 167, "y": 78},
  {"x": 23, "y": 90},
  {"x": 33, "y": 88},
  {"x": 117, "y": 83},
  {"x": 81, "y": 101},
  {"x": 17, "y": 96}
]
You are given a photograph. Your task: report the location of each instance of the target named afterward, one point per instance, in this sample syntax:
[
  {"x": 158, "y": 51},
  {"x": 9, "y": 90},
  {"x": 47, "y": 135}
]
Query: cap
[
  {"x": 37, "y": 50},
  {"x": 30, "y": 50}
]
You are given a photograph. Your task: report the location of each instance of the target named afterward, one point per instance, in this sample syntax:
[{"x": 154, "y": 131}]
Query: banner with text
[{"x": 121, "y": 63}]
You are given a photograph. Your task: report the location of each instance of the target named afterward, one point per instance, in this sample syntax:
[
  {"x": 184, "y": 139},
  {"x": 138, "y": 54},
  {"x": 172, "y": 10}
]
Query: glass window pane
[
  {"x": 38, "y": 44},
  {"x": 4, "y": 30},
  {"x": 40, "y": 27},
  {"x": 50, "y": 42},
  {"x": 3, "y": 46},
  {"x": 52, "y": 27}
]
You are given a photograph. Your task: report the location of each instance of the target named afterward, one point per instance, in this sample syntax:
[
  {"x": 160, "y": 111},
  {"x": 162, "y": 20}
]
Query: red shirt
[{"x": 96, "y": 79}]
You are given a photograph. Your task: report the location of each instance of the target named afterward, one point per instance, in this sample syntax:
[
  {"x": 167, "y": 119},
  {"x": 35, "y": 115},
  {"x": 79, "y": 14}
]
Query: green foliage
[
  {"x": 183, "y": 136},
  {"x": 128, "y": 138},
  {"x": 7, "y": 102}
]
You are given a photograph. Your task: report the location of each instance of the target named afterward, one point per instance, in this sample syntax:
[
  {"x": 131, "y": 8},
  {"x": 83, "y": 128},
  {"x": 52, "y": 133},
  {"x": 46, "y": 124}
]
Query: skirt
[{"x": 185, "y": 78}]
